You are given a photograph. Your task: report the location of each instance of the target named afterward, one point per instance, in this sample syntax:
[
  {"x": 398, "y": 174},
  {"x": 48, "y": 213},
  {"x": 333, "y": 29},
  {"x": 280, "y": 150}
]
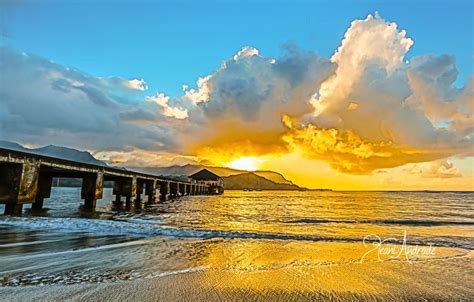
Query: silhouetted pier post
[
  {"x": 126, "y": 186},
  {"x": 92, "y": 189},
  {"x": 117, "y": 191},
  {"x": 173, "y": 190},
  {"x": 188, "y": 189},
  {"x": 140, "y": 185},
  {"x": 150, "y": 190},
  {"x": 45, "y": 182},
  {"x": 18, "y": 185},
  {"x": 164, "y": 190},
  {"x": 183, "y": 189},
  {"x": 130, "y": 190}
]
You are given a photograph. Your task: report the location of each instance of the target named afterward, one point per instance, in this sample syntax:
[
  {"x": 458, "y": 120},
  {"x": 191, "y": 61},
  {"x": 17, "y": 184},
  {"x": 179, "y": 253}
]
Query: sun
[{"x": 247, "y": 163}]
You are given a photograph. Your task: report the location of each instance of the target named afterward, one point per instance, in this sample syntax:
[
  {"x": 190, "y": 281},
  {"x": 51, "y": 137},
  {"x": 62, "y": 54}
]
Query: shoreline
[{"x": 382, "y": 281}]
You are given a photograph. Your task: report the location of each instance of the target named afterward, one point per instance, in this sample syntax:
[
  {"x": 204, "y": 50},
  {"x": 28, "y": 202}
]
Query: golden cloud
[{"x": 347, "y": 152}]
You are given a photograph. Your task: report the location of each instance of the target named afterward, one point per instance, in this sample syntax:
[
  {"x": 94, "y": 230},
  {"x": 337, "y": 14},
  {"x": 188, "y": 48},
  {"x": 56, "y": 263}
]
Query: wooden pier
[{"x": 27, "y": 178}]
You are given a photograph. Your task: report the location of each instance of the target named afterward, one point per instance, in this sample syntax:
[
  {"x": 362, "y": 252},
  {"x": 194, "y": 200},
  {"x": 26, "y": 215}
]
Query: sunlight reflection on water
[{"x": 239, "y": 232}]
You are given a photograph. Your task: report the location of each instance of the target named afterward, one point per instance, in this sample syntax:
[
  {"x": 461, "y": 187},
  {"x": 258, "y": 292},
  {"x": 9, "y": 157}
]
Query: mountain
[
  {"x": 253, "y": 181},
  {"x": 221, "y": 171},
  {"x": 12, "y": 146},
  {"x": 57, "y": 152},
  {"x": 69, "y": 154}
]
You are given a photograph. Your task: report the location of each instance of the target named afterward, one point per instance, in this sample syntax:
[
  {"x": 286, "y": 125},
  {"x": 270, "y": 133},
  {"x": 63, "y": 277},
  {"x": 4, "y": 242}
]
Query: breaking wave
[
  {"x": 135, "y": 227},
  {"x": 385, "y": 222}
]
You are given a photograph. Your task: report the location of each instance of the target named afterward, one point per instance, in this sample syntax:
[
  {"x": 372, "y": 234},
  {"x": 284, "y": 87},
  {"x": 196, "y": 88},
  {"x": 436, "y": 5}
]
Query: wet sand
[{"x": 313, "y": 271}]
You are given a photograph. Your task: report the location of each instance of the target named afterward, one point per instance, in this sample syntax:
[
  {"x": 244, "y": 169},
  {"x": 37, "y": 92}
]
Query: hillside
[
  {"x": 221, "y": 171},
  {"x": 57, "y": 152},
  {"x": 252, "y": 181}
]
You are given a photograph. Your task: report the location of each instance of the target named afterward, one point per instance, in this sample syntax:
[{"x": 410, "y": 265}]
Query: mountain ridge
[
  {"x": 56, "y": 152},
  {"x": 188, "y": 169},
  {"x": 252, "y": 181}
]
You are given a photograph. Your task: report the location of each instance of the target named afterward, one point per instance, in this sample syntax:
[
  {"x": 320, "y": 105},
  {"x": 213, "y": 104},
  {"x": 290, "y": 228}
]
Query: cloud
[
  {"x": 380, "y": 111},
  {"x": 347, "y": 152},
  {"x": 163, "y": 102},
  {"x": 201, "y": 94},
  {"x": 141, "y": 158},
  {"x": 245, "y": 52},
  {"x": 366, "y": 108},
  {"x": 241, "y": 103},
  {"x": 43, "y": 102},
  {"x": 138, "y": 84},
  {"x": 435, "y": 169},
  {"x": 431, "y": 80}
]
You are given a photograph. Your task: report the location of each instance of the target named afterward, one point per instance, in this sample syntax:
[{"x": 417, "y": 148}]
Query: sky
[{"x": 341, "y": 94}]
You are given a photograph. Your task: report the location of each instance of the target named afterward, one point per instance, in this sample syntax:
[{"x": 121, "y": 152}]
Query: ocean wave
[
  {"x": 178, "y": 272},
  {"x": 384, "y": 221},
  {"x": 134, "y": 229}
]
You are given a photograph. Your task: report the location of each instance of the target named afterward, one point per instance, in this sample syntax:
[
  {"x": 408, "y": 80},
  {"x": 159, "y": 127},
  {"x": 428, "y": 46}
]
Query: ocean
[{"x": 265, "y": 244}]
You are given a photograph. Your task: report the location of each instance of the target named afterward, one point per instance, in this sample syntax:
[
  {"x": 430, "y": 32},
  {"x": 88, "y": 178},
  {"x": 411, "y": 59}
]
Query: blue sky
[{"x": 173, "y": 43}]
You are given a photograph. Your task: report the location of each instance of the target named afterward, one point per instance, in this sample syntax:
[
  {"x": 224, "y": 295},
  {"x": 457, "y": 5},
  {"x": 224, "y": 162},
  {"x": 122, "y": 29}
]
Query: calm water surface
[{"x": 65, "y": 245}]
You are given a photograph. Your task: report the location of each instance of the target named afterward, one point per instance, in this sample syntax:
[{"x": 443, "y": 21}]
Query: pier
[{"x": 26, "y": 178}]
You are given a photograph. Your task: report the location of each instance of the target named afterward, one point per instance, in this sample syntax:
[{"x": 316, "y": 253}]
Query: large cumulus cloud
[
  {"x": 379, "y": 110},
  {"x": 239, "y": 107}
]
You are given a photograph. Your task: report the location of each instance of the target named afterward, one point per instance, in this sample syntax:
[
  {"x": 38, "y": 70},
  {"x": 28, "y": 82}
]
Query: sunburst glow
[{"x": 248, "y": 163}]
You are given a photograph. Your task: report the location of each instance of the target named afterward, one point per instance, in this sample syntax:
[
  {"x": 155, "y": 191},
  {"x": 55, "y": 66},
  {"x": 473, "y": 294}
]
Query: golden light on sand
[{"x": 247, "y": 163}]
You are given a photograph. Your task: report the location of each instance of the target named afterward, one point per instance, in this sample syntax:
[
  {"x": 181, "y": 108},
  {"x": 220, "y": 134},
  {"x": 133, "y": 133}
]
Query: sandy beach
[{"x": 293, "y": 271}]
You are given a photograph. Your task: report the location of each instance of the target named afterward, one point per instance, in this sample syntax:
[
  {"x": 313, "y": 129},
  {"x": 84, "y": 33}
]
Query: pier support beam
[
  {"x": 150, "y": 190},
  {"x": 140, "y": 184},
  {"x": 188, "y": 189},
  {"x": 117, "y": 191},
  {"x": 164, "y": 190},
  {"x": 125, "y": 187},
  {"x": 12, "y": 208},
  {"x": 92, "y": 189},
  {"x": 181, "y": 189},
  {"x": 174, "y": 189},
  {"x": 18, "y": 185},
  {"x": 45, "y": 183}
]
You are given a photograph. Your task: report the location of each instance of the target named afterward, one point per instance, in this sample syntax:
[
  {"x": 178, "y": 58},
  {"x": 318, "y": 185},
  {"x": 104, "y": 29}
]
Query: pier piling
[
  {"x": 92, "y": 189},
  {"x": 45, "y": 182},
  {"x": 164, "y": 190}
]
